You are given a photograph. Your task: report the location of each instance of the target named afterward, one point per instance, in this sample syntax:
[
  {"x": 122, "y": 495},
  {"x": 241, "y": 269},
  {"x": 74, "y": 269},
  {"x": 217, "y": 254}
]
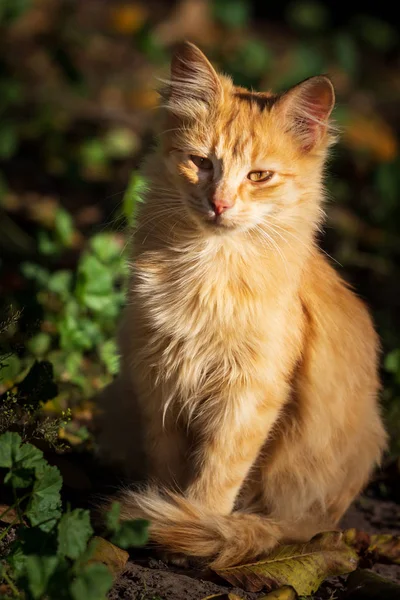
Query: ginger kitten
[{"x": 250, "y": 363}]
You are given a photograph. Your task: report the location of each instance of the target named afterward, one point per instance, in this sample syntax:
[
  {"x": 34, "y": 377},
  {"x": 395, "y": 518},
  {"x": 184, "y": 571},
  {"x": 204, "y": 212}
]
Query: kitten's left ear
[{"x": 306, "y": 108}]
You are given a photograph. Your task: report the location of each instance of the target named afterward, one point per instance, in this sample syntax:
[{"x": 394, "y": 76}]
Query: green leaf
[
  {"x": 134, "y": 193},
  {"x": 112, "y": 516},
  {"x": 46, "y": 244},
  {"x": 106, "y": 247},
  {"x": 379, "y": 34},
  {"x": 131, "y": 534},
  {"x": 74, "y": 531},
  {"x": 392, "y": 361},
  {"x": 232, "y": 13},
  {"x": 365, "y": 585},
  {"x": 9, "y": 443},
  {"x": 20, "y": 459},
  {"x": 93, "y": 152},
  {"x": 309, "y": 15},
  {"x": 39, "y": 344},
  {"x": 110, "y": 357},
  {"x": 120, "y": 143},
  {"x": 60, "y": 283},
  {"x": 302, "y": 566},
  {"x": 44, "y": 508},
  {"x": 36, "y": 272},
  {"x": 10, "y": 368},
  {"x": 92, "y": 583},
  {"x": 8, "y": 140},
  {"x": 64, "y": 227},
  {"x": 39, "y": 569}
]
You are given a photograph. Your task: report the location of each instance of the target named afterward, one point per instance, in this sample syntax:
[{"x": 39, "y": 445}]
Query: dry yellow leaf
[
  {"x": 128, "y": 18},
  {"x": 110, "y": 555},
  {"x": 373, "y": 135}
]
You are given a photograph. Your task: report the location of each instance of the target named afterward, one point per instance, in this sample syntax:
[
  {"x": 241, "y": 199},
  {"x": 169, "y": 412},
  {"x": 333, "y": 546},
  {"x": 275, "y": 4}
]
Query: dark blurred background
[{"x": 77, "y": 104}]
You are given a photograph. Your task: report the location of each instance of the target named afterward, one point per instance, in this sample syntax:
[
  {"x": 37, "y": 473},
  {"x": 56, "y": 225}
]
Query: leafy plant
[
  {"x": 80, "y": 310},
  {"x": 53, "y": 555}
]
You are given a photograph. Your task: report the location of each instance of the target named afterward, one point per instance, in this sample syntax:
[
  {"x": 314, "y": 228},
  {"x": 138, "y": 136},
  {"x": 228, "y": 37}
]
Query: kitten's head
[{"x": 240, "y": 158}]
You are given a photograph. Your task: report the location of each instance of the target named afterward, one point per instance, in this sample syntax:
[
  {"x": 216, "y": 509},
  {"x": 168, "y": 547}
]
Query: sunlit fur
[{"x": 251, "y": 364}]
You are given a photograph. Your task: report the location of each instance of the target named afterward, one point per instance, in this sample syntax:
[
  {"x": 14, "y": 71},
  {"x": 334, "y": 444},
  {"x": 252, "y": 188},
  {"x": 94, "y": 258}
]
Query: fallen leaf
[
  {"x": 303, "y": 566},
  {"x": 366, "y": 585},
  {"x": 359, "y": 540},
  {"x": 8, "y": 514},
  {"x": 224, "y": 597},
  {"x": 386, "y": 547},
  {"x": 113, "y": 557},
  {"x": 287, "y": 592}
]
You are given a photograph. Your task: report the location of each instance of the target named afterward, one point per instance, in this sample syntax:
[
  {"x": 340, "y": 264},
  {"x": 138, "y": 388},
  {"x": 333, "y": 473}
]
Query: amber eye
[
  {"x": 202, "y": 163},
  {"x": 260, "y": 176}
]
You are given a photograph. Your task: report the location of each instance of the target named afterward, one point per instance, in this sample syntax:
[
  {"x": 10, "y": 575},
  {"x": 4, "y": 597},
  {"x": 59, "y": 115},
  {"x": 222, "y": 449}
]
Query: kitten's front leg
[{"x": 232, "y": 435}]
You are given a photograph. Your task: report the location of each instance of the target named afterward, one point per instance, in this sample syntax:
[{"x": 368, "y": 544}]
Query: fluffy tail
[{"x": 184, "y": 526}]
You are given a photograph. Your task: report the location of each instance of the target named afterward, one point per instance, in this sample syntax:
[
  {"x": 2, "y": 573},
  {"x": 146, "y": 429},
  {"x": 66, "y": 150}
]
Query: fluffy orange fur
[{"x": 250, "y": 363}]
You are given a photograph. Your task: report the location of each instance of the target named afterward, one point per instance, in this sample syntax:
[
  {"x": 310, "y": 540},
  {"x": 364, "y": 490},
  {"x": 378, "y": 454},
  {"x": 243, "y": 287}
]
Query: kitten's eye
[
  {"x": 201, "y": 162},
  {"x": 260, "y": 176}
]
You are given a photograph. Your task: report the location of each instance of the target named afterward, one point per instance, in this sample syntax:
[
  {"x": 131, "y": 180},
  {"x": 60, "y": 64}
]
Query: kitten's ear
[
  {"x": 306, "y": 108},
  {"x": 193, "y": 80}
]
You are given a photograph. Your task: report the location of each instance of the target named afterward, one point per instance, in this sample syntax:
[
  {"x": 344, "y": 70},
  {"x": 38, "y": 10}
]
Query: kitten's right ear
[{"x": 194, "y": 81}]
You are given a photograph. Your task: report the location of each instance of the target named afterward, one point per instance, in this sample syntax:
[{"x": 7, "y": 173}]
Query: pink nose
[{"x": 220, "y": 205}]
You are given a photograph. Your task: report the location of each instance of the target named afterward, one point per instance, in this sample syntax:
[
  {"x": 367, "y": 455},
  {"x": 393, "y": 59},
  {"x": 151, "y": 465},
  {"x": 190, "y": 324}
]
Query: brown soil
[{"x": 146, "y": 578}]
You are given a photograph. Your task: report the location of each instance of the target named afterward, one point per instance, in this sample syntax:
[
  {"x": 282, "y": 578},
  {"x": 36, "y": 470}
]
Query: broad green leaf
[
  {"x": 9, "y": 442},
  {"x": 111, "y": 556},
  {"x": 302, "y": 566},
  {"x": 112, "y": 516},
  {"x": 366, "y": 585},
  {"x": 93, "y": 583},
  {"x": 20, "y": 459},
  {"x": 131, "y": 534},
  {"x": 26, "y": 458},
  {"x": 44, "y": 505},
  {"x": 74, "y": 531},
  {"x": 39, "y": 569}
]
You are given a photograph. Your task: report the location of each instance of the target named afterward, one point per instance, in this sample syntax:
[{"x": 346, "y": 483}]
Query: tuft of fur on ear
[
  {"x": 306, "y": 108},
  {"x": 194, "y": 83}
]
